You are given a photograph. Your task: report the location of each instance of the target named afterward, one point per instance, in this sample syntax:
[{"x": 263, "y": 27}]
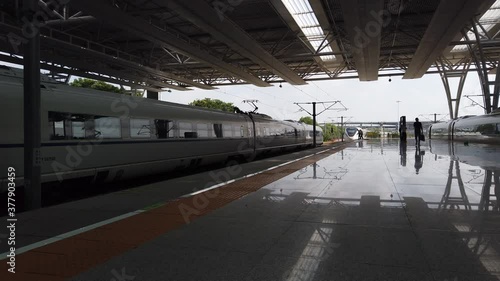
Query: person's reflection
[
  {"x": 402, "y": 152},
  {"x": 418, "y": 159},
  {"x": 496, "y": 179}
]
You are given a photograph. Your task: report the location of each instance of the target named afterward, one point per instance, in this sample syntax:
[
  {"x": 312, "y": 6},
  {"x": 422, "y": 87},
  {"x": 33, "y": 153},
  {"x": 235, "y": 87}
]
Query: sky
[{"x": 365, "y": 101}]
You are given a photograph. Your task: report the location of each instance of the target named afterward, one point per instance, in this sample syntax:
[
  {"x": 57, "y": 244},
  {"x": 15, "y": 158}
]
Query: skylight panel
[
  {"x": 488, "y": 20},
  {"x": 305, "y": 18}
]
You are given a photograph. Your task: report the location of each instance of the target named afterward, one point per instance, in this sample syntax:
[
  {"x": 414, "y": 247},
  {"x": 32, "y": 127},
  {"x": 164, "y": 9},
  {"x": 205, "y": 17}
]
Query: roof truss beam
[
  {"x": 203, "y": 15},
  {"x": 103, "y": 11},
  {"x": 364, "y": 23},
  {"x": 82, "y": 73},
  {"x": 448, "y": 20}
]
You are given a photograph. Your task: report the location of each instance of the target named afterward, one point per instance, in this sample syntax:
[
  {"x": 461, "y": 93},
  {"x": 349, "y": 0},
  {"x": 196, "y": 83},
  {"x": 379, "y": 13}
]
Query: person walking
[{"x": 418, "y": 131}]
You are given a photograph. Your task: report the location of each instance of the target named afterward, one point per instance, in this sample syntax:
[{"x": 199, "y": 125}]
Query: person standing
[{"x": 418, "y": 131}]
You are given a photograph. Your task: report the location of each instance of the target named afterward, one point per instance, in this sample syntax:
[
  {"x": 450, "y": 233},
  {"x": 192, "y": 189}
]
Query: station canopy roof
[{"x": 180, "y": 45}]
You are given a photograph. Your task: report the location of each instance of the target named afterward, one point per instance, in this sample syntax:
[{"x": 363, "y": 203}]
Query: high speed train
[
  {"x": 352, "y": 132},
  {"x": 484, "y": 129},
  {"x": 97, "y": 136}
]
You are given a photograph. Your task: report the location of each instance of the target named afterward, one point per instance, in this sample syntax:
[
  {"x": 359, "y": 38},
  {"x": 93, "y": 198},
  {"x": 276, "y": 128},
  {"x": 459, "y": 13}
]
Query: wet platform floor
[{"x": 377, "y": 210}]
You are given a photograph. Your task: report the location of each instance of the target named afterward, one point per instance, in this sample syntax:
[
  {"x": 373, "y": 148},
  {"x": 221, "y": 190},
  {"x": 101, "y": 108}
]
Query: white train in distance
[
  {"x": 95, "y": 136},
  {"x": 482, "y": 129},
  {"x": 352, "y": 132}
]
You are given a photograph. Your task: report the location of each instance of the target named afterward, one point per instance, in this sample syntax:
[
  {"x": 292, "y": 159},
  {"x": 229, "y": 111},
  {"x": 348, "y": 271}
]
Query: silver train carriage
[
  {"x": 101, "y": 136},
  {"x": 484, "y": 129}
]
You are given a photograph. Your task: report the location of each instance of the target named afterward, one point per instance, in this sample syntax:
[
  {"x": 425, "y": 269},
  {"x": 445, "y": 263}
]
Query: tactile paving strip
[{"x": 69, "y": 257}]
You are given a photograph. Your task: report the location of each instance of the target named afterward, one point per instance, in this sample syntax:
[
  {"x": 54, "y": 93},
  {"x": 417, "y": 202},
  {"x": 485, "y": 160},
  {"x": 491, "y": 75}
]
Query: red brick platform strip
[{"x": 69, "y": 257}]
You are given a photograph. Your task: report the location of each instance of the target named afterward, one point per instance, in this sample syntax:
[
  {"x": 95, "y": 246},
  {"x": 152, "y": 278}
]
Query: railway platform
[{"x": 369, "y": 210}]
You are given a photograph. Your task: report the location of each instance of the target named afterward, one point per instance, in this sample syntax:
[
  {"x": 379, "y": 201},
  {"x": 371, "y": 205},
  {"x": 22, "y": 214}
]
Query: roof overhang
[{"x": 445, "y": 26}]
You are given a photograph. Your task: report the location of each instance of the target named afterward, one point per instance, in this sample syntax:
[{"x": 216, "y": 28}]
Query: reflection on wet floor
[
  {"x": 378, "y": 210},
  {"x": 429, "y": 213}
]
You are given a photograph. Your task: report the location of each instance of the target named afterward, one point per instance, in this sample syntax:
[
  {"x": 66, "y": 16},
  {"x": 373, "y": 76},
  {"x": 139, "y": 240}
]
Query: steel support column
[
  {"x": 477, "y": 52},
  {"x": 448, "y": 71},
  {"x": 32, "y": 130},
  {"x": 496, "y": 90},
  {"x": 448, "y": 200},
  {"x": 484, "y": 203}
]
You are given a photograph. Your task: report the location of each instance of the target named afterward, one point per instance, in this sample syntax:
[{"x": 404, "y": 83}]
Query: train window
[
  {"x": 238, "y": 131},
  {"x": 281, "y": 131},
  {"x": 58, "y": 125},
  {"x": 82, "y": 126},
  {"x": 276, "y": 131},
  {"x": 78, "y": 128},
  {"x": 265, "y": 132},
  {"x": 164, "y": 128},
  {"x": 140, "y": 128},
  {"x": 202, "y": 130},
  {"x": 107, "y": 127},
  {"x": 218, "y": 130},
  {"x": 227, "y": 131},
  {"x": 190, "y": 135},
  {"x": 185, "y": 127}
]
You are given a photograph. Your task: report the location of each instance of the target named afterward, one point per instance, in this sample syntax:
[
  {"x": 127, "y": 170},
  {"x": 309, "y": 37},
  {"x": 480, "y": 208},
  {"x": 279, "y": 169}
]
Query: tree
[
  {"x": 330, "y": 132},
  {"x": 96, "y": 85},
  {"x": 306, "y": 120},
  {"x": 214, "y": 104}
]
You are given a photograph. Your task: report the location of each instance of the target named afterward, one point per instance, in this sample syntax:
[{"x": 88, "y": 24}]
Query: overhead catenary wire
[
  {"x": 269, "y": 105},
  {"x": 305, "y": 93},
  {"x": 322, "y": 90}
]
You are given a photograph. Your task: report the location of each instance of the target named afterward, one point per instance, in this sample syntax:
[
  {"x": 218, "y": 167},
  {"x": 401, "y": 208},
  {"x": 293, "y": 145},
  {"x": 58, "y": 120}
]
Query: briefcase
[{"x": 422, "y": 137}]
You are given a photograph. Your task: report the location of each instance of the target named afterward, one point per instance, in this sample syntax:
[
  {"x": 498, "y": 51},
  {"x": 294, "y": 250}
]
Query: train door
[{"x": 253, "y": 133}]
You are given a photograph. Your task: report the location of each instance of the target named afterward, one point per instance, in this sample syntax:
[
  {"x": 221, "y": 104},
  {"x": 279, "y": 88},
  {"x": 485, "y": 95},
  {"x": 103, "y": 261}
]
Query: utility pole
[
  {"x": 435, "y": 115},
  {"x": 342, "y": 127},
  {"x": 314, "y": 114},
  {"x": 314, "y": 124}
]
